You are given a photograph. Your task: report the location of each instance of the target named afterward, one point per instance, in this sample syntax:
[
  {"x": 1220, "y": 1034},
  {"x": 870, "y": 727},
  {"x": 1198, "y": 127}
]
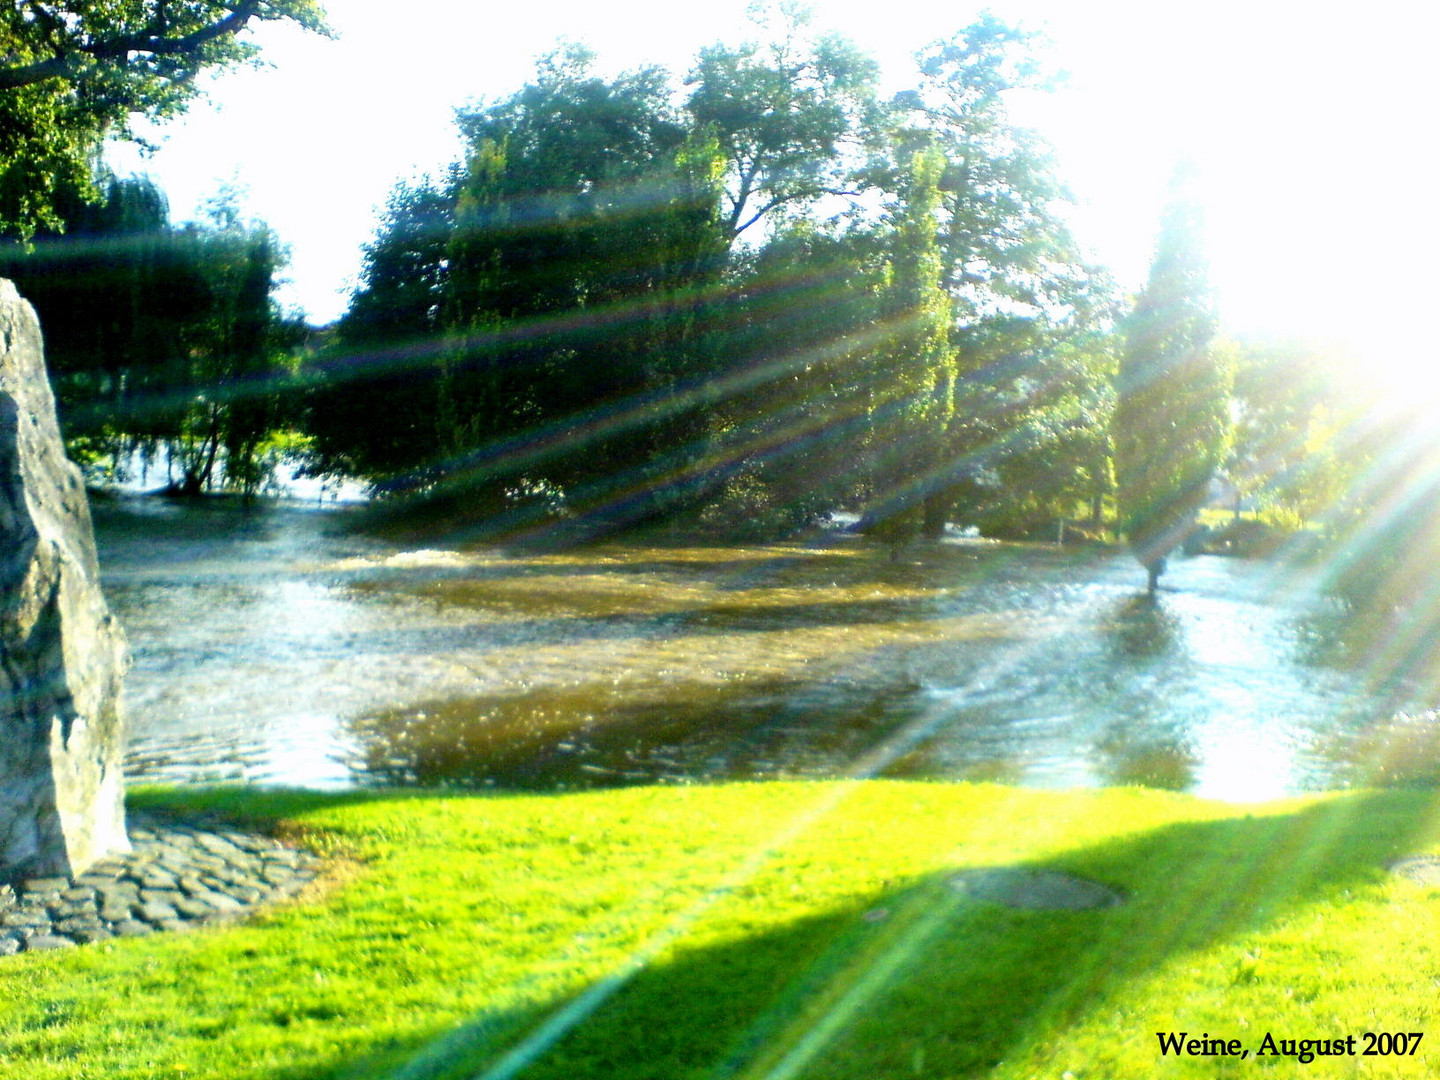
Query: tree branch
[
  {"x": 76, "y": 61},
  {"x": 158, "y": 45},
  {"x": 781, "y": 200}
]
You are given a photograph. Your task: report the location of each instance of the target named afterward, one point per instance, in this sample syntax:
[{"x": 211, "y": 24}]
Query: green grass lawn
[{"x": 766, "y": 930}]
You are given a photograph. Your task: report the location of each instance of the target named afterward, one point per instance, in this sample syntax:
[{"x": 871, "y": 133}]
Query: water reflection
[
  {"x": 272, "y": 647},
  {"x": 609, "y": 736},
  {"x": 1143, "y": 627}
]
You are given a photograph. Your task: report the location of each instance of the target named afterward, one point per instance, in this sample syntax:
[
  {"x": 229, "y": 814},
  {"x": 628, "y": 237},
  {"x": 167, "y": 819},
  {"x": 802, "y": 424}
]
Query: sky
[{"x": 1311, "y": 128}]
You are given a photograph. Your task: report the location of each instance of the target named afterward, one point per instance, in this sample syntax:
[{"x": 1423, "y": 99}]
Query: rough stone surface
[
  {"x": 1035, "y": 890},
  {"x": 57, "y": 912},
  {"x": 61, "y": 653}
]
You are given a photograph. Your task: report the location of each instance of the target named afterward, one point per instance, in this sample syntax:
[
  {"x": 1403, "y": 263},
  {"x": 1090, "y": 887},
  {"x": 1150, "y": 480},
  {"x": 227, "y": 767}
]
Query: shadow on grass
[
  {"x": 254, "y": 808},
  {"x": 917, "y": 979},
  {"x": 946, "y": 986}
]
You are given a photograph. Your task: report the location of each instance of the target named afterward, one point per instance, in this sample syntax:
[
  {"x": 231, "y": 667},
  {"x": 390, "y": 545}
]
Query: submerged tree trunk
[{"x": 1153, "y": 570}]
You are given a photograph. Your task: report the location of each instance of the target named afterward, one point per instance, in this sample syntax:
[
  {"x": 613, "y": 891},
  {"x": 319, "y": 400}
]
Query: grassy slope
[{"x": 765, "y": 930}]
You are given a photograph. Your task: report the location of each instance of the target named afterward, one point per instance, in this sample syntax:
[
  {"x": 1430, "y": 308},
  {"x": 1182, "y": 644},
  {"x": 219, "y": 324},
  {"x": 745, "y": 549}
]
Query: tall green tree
[
  {"x": 911, "y": 376},
  {"x": 585, "y": 230},
  {"x": 791, "y": 116},
  {"x": 1003, "y": 239},
  {"x": 798, "y": 322},
  {"x": 372, "y": 399},
  {"x": 73, "y": 73},
  {"x": 1018, "y": 286},
  {"x": 237, "y": 348},
  {"x": 1171, "y": 426},
  {"x": 562, "y": 303},
  {"x": 1037, "y": 428},
  {"x": 404, "y": 268},
  {"x": 629, "y": 298}
]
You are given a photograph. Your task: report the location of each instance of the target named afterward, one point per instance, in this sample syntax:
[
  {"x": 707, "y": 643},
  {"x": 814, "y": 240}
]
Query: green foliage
[
  {"x": 1026, "y": 401},
  {"x": 236, "y": 349},
  {"x": 1298, "y": 407},
  {"x": 179, "y": 347},
  {"x": 138, "y": 285},
  {"x": 1383, "y": 540},
  {"x": 561, "y": 290},
  {"x": 910, "y": 380},
  {"x": 788, "y": 116},
  {"x": 74, "y": 73},
  {"x": 404, "y": 269},
  {"x": 371, "y": 408},
  {"x": 1171, "y": 427},
  {"x": 1037, "y": 434},
  {"x": 801, "y": 319},
  {"x": 572, "y": 313},
  {"x": 1002, "y": 240}
]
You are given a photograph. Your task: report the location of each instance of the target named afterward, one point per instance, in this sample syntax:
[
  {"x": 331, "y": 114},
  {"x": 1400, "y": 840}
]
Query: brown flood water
[{"x": 273, "y": 648}]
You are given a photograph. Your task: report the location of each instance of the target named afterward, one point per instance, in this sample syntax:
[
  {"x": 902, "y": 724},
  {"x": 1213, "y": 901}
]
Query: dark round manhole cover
[
  {"x": 1035, "y": 890},
  {"x": 1421, "y": 869}
]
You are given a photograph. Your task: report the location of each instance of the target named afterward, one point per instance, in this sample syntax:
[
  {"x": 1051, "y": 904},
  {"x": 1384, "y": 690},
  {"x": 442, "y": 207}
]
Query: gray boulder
[{"x": 62, "y": 655}]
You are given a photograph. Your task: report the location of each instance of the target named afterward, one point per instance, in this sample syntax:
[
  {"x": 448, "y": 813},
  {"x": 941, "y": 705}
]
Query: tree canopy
[
  {"x": 72, "y": 74},
  {"x": 788, "y": 116},
  {"x": 744, "y": 296},
  {"x": 761, "y": 290},
  {"x": 180, "y": 348},
  {"x": 754, "y": 294}
]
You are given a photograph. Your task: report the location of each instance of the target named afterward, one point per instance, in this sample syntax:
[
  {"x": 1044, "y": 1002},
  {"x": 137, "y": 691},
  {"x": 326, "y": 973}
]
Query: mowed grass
[{"x": 765, "y": 930}]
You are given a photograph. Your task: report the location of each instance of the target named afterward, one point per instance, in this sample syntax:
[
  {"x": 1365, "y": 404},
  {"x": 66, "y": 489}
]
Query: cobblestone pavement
[{"x": 178, "y": 876}]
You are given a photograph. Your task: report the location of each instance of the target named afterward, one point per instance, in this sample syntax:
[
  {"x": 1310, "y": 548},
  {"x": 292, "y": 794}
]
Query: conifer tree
[{"x": 1171, "y": 427}]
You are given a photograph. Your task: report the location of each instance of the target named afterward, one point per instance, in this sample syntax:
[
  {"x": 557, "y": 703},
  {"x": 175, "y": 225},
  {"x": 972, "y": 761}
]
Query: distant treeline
[
  {"x": 163, "y": 342},
  {"x": 742, "y": 301}
]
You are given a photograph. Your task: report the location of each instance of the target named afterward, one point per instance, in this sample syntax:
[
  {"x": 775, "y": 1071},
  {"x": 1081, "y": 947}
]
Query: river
[{"x": 274, "y": 647}]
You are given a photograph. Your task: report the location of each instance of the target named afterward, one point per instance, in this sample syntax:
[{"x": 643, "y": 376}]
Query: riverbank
[{"x": 780, "y": 929}]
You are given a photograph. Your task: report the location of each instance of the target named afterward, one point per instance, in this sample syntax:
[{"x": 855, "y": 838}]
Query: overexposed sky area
[{"x": 1312, "y": 127}]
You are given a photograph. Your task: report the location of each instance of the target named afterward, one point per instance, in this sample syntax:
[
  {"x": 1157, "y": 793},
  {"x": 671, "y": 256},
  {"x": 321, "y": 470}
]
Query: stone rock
[
  {"x": 193, "y": 909},
  {"x": 157, "y": 913},
  {"x": 62, "y": 655},
  {"x": 26, "y": 917},
  {"x": 43, "y": 942},
  {"x": 220, "y": 901},
  {"x": 121, "y": 905},
  {"x": 74, "y": 925},
  {"x": 45, "y": 885},
  {"x": 159, "y": 896}
]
